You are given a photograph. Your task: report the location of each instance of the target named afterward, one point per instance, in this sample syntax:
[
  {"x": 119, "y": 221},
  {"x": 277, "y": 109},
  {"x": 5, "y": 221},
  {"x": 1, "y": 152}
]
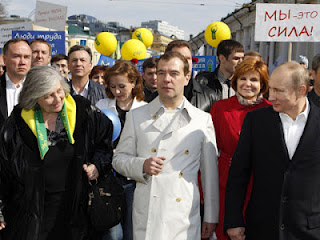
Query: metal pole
[{"x": 289, "y": 51}]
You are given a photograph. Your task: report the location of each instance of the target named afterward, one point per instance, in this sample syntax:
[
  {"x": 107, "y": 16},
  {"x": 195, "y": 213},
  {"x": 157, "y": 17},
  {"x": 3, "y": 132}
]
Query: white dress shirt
[
  {"x": 12, "y": 93},
  {"x": 293, "y": 129},
  {"x": 227, "y": 90},
  {"x": 85, "y": 91}
]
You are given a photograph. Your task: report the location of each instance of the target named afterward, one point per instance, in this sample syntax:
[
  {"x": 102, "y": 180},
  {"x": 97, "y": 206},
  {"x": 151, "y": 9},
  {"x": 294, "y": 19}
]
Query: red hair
[
  {"x": 254, "y": 65},
  {"x": 127, "y": 69}
]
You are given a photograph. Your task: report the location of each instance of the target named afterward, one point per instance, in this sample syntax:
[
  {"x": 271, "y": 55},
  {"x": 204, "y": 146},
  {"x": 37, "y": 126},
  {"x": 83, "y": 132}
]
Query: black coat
[
  {"x": 22, "y": 173},
  {"x": 285, "y": 199},
  {"x": 148, "y": 95},
  {"x": 3, "y": 100}
]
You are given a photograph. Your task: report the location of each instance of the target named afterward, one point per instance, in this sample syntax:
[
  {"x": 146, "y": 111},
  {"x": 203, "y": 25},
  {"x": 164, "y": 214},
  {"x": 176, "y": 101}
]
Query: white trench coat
[{"x": 167, "y": 206}]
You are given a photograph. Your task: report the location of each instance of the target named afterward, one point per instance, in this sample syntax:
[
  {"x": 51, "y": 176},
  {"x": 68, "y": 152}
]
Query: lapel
[
  {"x": 160, "y": 120},
  {"x": 277, "y": 128},
  {"x": 310, "y": 132},
  {"x": 3, "y": 97},
  {"x": 90, "y": 95},
  {"x": 71, "y": 88}
]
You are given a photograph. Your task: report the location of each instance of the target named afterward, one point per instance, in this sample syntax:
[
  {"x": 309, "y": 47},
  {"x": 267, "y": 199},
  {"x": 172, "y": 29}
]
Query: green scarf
[{"x": 35, "y": 122}]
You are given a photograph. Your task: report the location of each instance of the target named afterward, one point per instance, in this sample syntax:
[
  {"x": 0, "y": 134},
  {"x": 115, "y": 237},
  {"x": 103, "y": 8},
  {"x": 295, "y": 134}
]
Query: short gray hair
[
  {"x": 40, "y": 80},
  {"x": 79, "y": 48},
  {"x": 299, "y": 75}
]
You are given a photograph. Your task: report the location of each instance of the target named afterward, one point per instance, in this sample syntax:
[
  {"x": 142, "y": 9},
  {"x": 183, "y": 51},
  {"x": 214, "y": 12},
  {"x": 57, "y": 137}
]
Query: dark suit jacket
[
  {"x": 285, "y": 199},
  {"x": 95, "y": 92},
  {"x": 3, "y": 100}
]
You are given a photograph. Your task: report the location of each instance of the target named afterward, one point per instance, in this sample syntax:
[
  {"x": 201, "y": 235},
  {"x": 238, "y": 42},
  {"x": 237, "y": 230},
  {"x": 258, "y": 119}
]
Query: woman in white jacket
[{"x": 124, "y": 89}]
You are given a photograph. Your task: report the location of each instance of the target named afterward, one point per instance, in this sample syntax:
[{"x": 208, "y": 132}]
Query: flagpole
[{"x": 289, "y": 51}]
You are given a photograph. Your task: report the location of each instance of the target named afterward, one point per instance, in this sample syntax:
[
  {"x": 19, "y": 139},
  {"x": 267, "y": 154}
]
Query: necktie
[{"x": 228, "y": 84}]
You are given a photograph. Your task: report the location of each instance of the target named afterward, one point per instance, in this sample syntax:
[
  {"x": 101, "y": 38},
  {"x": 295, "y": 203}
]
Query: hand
[
  {"x": 91, "y": 171},
  {"x": 2, "y": 225},
  {"x": 207, "y": 229},
  {"x": 236, "y": 233},
  {"x": 153, "y": 165}
]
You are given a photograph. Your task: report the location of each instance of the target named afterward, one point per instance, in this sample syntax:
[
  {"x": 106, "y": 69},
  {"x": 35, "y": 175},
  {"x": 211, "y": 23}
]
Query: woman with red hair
[
  {"x": 250, "y": 82},
  {"x": 124, "y": 89}
]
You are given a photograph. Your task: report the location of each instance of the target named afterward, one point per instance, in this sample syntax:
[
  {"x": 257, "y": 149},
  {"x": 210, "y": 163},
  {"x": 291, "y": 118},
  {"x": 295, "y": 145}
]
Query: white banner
[
  {"x": 6, "y": 30},
  {"x": 287, "y": 22},
  {"x": 52, "y": 16}
]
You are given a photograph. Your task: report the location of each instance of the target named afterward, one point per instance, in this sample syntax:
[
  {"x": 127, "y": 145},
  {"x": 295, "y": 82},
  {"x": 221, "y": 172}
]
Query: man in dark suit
[
  {"x": 279, "y": 147},
  {"x": 80, "y": 65},
  {"x": 17, "y": 58}
]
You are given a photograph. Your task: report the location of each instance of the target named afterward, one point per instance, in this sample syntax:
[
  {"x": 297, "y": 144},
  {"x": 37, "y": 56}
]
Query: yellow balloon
[
  {"x": 144, "y": 35},
  {"x": 105, "y": 43},
  {"x": 133, "y": 48},
  {"x": 217, "y": 32}
]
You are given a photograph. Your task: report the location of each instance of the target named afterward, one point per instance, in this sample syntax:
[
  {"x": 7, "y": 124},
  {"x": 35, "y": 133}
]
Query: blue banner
[
  {"x": 205, "y": 63},
  {"x": 55, "y": 38},
  {"x": 106, "y": 61},
  {"x": 139, "y": 65}
]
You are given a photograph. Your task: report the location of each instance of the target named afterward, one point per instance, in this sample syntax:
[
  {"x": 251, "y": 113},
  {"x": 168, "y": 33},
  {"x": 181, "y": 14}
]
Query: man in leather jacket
[
  {"x": 197, "y": 94},
  {"x": 230, "y": 53}
]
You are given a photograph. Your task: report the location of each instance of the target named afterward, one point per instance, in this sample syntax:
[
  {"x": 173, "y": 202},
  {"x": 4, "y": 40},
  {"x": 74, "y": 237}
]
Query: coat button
[
  {"x": 153, "y": 150},
  {"x": 186, "y": 152},
  {"x": 178, "y": 199},
  {"x": 282, "y": 227},
  {"x": 180, "y": 174},
  {"x": 154, "y": 117}
]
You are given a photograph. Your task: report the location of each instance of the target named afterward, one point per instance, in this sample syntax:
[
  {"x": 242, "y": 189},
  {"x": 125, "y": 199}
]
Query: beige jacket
[{"x": 167, "y": 206}]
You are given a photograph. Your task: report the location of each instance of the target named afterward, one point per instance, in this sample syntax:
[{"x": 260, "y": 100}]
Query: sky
[{"x": 192, "y": 16}]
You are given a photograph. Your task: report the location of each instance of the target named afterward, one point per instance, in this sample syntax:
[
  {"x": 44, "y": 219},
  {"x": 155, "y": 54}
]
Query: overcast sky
[{"x": 192, "y": 16}]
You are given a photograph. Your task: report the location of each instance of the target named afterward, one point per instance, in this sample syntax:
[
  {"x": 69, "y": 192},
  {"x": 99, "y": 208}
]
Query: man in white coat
[{"x": 162, "y": 147}]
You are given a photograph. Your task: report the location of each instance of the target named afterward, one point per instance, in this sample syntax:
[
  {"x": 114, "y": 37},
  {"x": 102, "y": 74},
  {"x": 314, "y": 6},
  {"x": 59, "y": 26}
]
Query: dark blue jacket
[{"x": 95, "y": 92}]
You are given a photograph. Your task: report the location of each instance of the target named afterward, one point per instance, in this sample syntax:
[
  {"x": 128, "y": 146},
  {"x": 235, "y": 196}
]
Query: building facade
[{"x": 165, "y": 28}]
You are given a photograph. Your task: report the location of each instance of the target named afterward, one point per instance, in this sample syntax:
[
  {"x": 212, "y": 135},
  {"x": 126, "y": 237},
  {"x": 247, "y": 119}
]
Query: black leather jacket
[
  {"x": 22, "y": 173},
  {"x": 211, "y": 80},
  {"x": 199, "y": 95}
]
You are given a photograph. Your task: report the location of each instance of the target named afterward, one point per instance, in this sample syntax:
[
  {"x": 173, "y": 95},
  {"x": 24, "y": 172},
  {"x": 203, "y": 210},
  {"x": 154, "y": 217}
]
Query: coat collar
[
  {"x": 156, "y": 112},
  {"x": 196, "y": 86},
  {"x": 112, "y": 104}
]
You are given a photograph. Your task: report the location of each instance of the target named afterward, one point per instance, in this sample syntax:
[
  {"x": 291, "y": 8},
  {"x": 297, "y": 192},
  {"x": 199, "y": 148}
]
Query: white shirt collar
[
  {"x": 303, "y": 114},
  {"x": 181, "y": 106},
  {"x": 293, "y": 129},
  {"x": 84, "y": 93},
  {"x": 10, "y": 84}
]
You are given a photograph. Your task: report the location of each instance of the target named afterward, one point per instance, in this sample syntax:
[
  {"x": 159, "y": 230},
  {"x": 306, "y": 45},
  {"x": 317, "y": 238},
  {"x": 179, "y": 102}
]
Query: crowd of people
[{"x": 231, "y": 154}]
